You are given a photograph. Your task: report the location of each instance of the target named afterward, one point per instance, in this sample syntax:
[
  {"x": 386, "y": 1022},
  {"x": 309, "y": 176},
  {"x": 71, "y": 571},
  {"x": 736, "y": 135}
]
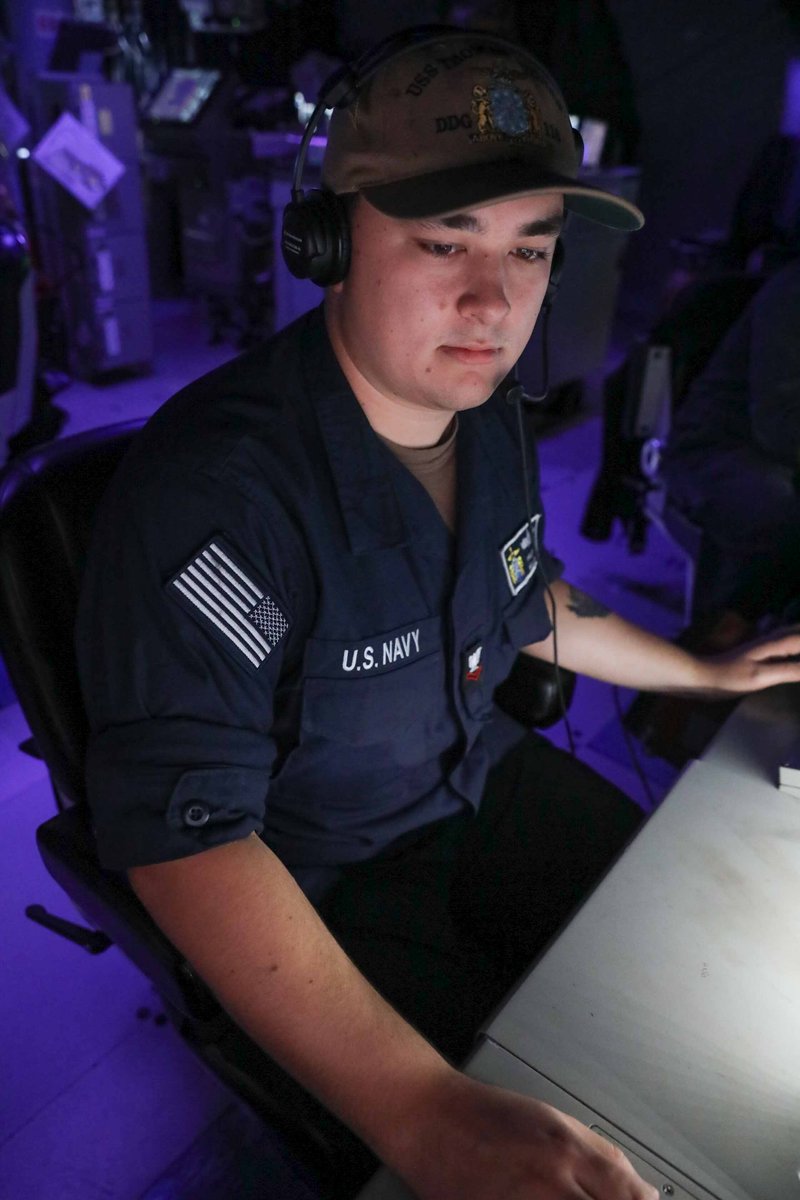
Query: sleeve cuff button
[{"x": 195, "y": 814}]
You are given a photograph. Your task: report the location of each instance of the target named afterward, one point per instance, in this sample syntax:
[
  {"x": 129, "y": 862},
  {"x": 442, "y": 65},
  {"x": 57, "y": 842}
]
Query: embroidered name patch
[
  {"x": 379, "y": 654},
  {"x": 222, "y": 595},
  {"x": 519, "y": 555}
]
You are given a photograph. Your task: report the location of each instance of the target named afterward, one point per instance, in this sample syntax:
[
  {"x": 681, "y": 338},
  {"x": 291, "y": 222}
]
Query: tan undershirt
[{"x": 435, "y": 468}]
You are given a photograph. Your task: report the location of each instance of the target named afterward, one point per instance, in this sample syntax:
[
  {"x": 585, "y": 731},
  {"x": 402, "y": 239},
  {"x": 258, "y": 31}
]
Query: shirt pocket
[{"x": 387, "y": 690}]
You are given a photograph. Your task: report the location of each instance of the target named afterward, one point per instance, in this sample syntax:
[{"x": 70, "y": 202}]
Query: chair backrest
[{"x": 48, "y": 500}]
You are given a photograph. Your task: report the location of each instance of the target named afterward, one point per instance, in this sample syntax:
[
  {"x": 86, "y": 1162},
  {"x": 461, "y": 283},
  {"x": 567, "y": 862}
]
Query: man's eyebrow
[
  {"x": 462, "y": 221},
  {"x": 467, "y": 222},
  {"x": 544, "y": 226}
]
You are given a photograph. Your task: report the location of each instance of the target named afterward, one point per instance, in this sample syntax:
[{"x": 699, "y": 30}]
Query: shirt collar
[
  {"x": 369, "y": 505},
  {"x": 358, "y": 461}
]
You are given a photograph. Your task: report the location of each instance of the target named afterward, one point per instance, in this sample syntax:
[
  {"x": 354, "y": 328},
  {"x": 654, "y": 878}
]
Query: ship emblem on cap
[{"x": 501, "y": 111}]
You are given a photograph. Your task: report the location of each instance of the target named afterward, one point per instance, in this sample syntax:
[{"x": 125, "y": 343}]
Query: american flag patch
[{"x": 220, "y": 593}]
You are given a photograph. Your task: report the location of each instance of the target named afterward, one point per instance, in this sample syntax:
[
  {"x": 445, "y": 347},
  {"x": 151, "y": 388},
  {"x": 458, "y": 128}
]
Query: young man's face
[{"x": 433, "y": 314}]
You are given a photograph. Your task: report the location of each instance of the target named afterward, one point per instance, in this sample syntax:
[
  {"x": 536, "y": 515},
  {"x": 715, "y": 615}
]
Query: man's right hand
[
  {"x": 241, "y": 920},
  {"x": 485, "y": 1143}
]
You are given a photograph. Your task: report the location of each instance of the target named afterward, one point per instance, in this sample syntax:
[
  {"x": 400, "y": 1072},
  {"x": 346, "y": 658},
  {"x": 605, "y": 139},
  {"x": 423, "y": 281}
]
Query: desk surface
[{"x": 670, "y": 1005}]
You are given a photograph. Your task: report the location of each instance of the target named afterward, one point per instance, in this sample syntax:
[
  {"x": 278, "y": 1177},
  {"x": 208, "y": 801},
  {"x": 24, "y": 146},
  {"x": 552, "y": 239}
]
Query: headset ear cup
[
  {"x": 556, "y": 267},
  {"x": 338, "y": 219},
  {"x": 315, "y": 238}
]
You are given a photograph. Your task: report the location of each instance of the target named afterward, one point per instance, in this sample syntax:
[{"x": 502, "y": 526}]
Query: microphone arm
[{"x": 513, "y": 390}]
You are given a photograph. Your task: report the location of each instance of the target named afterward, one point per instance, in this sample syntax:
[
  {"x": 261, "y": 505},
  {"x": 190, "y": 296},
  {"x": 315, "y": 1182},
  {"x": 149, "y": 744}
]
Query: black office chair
[{"x": 48, "y": 499}]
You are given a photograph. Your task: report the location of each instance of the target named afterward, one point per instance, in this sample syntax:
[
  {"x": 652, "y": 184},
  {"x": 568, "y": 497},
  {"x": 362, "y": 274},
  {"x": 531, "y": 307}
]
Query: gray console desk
[{"x": 667, "y": 1013}]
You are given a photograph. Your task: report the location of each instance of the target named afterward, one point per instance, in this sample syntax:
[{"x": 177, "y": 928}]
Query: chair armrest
[
  {"x": 66, "y": 844},
  {"x": 530, "y": 693}
]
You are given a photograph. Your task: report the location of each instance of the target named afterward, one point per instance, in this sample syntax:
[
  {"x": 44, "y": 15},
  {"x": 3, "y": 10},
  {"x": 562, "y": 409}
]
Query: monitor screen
[{"x": 183, "y": 95}]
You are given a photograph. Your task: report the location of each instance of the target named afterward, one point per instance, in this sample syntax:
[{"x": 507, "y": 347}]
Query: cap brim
[{"x": 441, "y": 193}]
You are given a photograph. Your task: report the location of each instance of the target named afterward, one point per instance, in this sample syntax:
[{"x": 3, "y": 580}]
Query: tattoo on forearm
[{"x": 584, "y": 606}]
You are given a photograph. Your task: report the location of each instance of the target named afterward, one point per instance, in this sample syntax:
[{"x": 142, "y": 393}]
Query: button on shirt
[{"x": 277, "y": 631}]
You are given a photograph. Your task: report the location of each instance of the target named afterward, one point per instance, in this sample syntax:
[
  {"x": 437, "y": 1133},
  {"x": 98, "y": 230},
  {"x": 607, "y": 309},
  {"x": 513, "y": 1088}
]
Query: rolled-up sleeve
[
  {"x": 148, "y": 807},
  {"x": 179, "y": 681}
]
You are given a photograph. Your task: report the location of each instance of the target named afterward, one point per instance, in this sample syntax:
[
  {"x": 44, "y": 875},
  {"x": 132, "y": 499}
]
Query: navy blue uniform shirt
[{"x": 278, "y": 632}]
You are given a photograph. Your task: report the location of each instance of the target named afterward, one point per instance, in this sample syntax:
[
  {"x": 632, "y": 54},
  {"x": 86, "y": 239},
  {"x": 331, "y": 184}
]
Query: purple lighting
[{"x": 790, "y": 123}]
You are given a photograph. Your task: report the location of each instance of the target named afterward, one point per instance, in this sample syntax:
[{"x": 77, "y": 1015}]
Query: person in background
[{"x": 732, "y": 465}]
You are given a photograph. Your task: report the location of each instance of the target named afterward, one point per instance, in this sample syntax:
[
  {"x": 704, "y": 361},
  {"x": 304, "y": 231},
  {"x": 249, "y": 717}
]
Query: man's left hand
[{"x": 760, "y": 664}]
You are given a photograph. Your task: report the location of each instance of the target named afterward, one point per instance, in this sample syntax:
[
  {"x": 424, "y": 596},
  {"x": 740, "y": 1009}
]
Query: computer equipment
[{"x": 184, "y": 94}]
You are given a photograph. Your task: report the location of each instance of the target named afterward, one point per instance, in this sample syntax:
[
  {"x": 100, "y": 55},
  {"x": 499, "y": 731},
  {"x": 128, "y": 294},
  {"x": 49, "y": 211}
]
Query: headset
[
  {"x": 556, "y": 269},
  {"x": 315, "y": 239}
]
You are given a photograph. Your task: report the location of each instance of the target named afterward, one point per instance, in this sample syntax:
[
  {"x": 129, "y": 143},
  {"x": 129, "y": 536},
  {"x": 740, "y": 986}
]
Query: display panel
[{"x": 183, "y": 95}]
